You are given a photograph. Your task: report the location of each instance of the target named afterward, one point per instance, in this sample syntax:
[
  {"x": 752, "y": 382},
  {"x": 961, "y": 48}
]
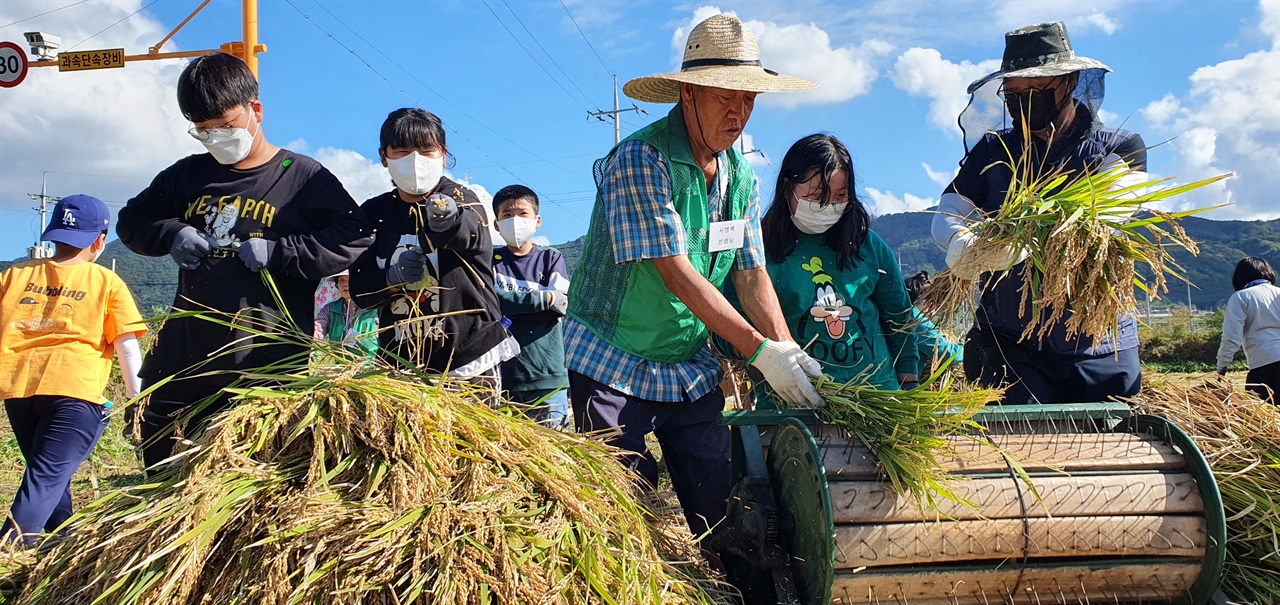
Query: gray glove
[
  {"x": 190, "y": 246},
  {"x": 559, "y": 301},
  {"x": 409, "y": 268},
  {"x": 255, "y": 252},
  {"x": 442, "y": 212}
]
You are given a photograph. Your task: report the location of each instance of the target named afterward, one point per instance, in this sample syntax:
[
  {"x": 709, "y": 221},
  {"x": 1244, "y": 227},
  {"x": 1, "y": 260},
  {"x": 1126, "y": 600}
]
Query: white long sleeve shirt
[{"x": 1252, "y": 320}]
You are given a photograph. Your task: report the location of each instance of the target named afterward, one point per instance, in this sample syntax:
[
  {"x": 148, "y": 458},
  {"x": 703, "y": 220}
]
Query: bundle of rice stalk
[
  {"x": 908, "y": 431},
  {"x": 1083, "y": 235},
  {"x": 359, "y": 488},
  {"x": 1239, "y": 435}
]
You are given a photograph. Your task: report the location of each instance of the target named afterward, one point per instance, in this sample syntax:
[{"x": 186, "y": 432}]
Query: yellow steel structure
[{"x": 247, "y": 48}]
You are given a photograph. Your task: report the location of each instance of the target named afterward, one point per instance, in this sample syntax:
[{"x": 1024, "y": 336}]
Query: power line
[
  {"x": 43, "y": 14},
  {"x": 544, "y": 51},
  {"x": 436, "y": 93},
  {"x": 584, "y": 38},
  {"x": 535, "y": 59},
  {"x": 126, "y": 17},
  {"x": 405, "y": 92}
]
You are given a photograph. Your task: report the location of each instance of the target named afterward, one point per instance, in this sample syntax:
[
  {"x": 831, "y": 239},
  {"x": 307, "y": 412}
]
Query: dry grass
[
  {"x": 364, "y": 489},
  {"x": 1239, "y": 435}
]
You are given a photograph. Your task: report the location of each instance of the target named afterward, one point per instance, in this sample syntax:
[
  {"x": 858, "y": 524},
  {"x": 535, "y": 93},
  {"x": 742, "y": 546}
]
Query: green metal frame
[
  {"x": 1215, "y": 556},
  {"x": 995, "y": 413},
  {"x": 800, "y": 484}
]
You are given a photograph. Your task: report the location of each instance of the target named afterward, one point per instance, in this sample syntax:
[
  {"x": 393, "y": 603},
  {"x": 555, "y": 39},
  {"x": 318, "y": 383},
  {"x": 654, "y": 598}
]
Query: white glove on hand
[
  {"x": 964, "y": 266},
  {"x": 787, "y": 369}
]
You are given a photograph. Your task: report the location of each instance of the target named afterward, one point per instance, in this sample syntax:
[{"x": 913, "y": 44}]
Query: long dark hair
[{"x": 815, "y": 155}]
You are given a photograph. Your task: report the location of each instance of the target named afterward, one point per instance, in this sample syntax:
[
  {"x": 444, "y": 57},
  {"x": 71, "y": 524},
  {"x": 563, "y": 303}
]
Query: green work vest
[
  {"x": 627, "y": 304},
  {"x": 365, "y": 325}
]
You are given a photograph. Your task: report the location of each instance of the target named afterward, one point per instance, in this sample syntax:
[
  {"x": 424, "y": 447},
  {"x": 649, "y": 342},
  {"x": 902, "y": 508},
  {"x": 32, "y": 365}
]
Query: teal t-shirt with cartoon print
[{"x": 854, "y": 321}]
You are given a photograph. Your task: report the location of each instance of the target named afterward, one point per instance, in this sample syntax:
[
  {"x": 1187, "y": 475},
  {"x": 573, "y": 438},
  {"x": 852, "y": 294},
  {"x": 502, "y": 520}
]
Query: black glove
[
  {"x": 255, "y": 252},
  {"x": 409, "y": 268},
  {"x": 442, "y": 212},
  {"x": 190, "y": 246}
]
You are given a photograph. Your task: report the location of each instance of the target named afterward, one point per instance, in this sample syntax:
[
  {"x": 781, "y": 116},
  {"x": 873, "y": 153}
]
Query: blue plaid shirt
[{"x": 644, "y": 224}]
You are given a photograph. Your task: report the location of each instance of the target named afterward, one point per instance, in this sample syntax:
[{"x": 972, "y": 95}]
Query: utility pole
[
  {"x": 615, "y": 114},
  {"x": 40, "y": 250}
]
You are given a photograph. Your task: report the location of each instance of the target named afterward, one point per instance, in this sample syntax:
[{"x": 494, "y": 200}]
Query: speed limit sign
[{"x": 13, "y": 65}]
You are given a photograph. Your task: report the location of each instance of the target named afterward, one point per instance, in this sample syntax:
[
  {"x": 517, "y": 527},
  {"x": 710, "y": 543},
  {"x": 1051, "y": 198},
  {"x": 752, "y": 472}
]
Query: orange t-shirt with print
[{"x": 57, "y": 326}]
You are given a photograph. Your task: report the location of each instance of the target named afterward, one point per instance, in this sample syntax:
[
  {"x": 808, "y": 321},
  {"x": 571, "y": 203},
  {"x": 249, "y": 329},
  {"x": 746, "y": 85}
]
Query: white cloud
[
  {"x": 922, "y": 72},
  {"x": 756, "y": 157},
  {"x": 107, "y": 132},
  {"x": 362, "y": 177},
  {"x": 1080, "y": 17},
  {"x": 1230, "y": 122},
  {"x": 941, "y": 177},
  {"x": 541, "y": 240},
  {"x": 885, "y": 202},
  {"x": 803, "y": 50}
]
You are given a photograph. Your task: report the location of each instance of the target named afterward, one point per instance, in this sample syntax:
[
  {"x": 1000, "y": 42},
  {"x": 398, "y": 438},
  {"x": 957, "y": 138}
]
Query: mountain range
[{"x": 1222, "y": 245}]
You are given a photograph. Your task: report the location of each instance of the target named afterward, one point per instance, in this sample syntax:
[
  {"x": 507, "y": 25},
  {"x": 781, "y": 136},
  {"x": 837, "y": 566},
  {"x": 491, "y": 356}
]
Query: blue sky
[{"x": 514, "y": 80}]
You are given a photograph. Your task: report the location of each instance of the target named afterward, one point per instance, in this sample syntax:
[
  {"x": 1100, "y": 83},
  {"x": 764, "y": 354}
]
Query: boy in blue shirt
[{"x": 533, "y": 288}]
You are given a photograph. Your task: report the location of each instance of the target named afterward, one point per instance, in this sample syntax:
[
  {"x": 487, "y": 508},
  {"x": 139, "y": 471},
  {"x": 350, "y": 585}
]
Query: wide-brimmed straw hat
[
  {"x": 1037, "y": 51},
  {"x": 720, "y": 52}
]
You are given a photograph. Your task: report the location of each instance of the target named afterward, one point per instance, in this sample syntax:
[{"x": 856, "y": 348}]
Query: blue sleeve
[
  {"x": 636, "y": 193},
  {"x": 933, "y": 343}
]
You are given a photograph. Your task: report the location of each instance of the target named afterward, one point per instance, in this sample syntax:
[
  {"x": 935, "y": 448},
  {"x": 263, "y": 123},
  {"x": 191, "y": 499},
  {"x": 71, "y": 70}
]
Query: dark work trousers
[
  {"x": 1264, "y": 381},
  {"x": 55, "y": 435},
  {"x": 694, "y": 446},
  {"x": 1042, "y": 377},
  {"x": 164, "y": 414}
]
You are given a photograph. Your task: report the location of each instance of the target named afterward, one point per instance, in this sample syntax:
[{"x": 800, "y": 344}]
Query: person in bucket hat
[
  {"x": 1043, "y": 101},
  {"x": 676, "y": 213}
]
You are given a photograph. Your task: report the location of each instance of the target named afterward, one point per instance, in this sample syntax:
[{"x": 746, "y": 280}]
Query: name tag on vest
[{"x": 726, "y": 235}]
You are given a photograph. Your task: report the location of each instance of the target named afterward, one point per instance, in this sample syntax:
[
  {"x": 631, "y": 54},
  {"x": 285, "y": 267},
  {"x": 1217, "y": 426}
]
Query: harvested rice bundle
[
  {"x": 366, "y": 489},
  {"x": 1082, "y": 236},
  {"x": 908, "y": 430},
  {"x": 1240, "y": 437}
]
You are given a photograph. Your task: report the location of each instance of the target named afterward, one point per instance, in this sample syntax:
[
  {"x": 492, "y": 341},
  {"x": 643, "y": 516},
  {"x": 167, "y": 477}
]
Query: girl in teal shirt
[{"x": 838, "y": 283}]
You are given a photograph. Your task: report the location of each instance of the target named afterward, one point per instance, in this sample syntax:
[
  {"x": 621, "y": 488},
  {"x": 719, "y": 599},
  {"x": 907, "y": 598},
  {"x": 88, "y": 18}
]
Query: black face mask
[{"x": 1037, "y": 108}]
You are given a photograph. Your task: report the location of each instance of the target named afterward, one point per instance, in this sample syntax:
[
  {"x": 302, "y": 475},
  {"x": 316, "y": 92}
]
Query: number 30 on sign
[{"x": 13, "y": 65}]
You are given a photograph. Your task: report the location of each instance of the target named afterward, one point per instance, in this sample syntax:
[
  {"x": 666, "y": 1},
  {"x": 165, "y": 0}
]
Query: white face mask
[
  {"x": 228, "y": 145},
  {"x": 517, "y": 230},
  {"x": 813, "y": 219},
  {"x": 415, "y": 173}
]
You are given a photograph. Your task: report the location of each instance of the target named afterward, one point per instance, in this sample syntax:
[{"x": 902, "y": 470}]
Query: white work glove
[
  {"x": 965, "y": 266},
  {"x": 788, "y": 369},
  {"x": 557, "y": 301}
]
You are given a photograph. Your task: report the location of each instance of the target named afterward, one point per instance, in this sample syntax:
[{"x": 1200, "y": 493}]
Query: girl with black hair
[
  {"x": 1252, "y": 321},
  {"x": 838, "y": 283}
]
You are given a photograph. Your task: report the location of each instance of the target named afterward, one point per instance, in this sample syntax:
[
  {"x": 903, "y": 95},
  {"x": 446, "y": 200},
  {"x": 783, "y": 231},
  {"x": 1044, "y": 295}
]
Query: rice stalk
[
  {"x": 1239, "y": 436},
  {"x": 908, "y": 431},
  {"x": 1085, "y": 234}
]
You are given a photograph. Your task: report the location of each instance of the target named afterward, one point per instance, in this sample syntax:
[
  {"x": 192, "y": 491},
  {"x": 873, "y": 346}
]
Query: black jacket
[
  {"x": 459, "y": 279},
  {"x": 292, "y": 201}
]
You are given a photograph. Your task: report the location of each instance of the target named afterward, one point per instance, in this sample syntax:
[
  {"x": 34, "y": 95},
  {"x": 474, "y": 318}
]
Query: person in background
[
  {"x": 340, "y": 320},
  {"x": 429, "y": 271},
  {"x": 837, "y": 282},
  {"x": 61, "y": 321},
  {"x": 533, "y": 291},
  {"x": 227, "y": 216},
  {"x": 933, "y": 344},
  {"x": 1252, "y": 320},
  {"x": 1051, "y": 120}
]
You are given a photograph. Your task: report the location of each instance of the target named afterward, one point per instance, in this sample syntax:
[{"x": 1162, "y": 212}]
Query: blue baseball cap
[{"x": 77, "y": 221}]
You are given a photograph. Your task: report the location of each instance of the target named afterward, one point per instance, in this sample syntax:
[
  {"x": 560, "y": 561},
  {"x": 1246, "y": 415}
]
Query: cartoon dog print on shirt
[{"x": 828, "y": 307}]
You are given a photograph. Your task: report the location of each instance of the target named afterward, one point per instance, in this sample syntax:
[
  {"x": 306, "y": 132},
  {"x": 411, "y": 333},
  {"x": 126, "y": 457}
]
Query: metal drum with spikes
[{"x": 1124, "y": 511}]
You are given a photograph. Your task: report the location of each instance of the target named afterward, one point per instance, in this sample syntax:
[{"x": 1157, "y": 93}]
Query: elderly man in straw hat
[
  {"x": 677, "y": 212},
  {"x": 1052, "y": 98}
]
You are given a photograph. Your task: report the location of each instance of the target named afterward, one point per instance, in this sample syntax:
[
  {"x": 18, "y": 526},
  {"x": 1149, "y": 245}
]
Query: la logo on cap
[{"x": 68, "y": 219}]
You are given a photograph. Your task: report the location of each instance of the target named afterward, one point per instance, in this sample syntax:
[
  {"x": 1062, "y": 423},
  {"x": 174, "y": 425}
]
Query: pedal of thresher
[{"x": 1127, "y": 512}]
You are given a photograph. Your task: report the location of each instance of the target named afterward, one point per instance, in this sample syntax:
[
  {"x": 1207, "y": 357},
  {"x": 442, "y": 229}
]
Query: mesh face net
[{"x": 986, "y": 111}]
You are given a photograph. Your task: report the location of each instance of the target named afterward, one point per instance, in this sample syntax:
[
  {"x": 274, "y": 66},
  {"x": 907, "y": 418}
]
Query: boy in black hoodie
[
  {"x": 224, "y": 216},
  {"x": 432, "y": 255}
]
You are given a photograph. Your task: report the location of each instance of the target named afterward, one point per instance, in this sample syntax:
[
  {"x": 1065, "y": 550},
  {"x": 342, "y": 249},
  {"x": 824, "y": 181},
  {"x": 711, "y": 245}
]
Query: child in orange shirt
[{"x": 61, "y": 320}]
